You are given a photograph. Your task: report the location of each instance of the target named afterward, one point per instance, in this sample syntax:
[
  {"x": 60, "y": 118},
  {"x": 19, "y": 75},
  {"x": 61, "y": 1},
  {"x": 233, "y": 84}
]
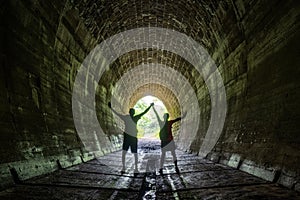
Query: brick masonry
[{"x": 255, "y": 45}]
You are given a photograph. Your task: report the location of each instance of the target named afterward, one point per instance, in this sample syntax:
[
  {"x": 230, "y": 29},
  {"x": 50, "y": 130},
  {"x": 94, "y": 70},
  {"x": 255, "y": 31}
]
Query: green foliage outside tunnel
[{"x": 148, "y": 125}]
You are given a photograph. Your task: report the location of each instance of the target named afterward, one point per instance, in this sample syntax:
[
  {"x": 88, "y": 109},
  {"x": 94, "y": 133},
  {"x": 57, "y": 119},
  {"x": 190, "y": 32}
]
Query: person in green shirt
[{"x": 130, "y": 133}]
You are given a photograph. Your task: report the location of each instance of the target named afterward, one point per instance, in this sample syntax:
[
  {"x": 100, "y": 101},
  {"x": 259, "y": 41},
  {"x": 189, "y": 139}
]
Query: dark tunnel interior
[{"x": 234, "y": 70}]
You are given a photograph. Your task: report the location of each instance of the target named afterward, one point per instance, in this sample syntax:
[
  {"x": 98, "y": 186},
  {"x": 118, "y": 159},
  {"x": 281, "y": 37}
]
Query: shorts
[
  {"x": 168, "y": 145},
  {"x": 130, "y": 141}
]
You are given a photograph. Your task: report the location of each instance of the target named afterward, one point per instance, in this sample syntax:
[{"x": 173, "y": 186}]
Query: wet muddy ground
[{"x": 102, "y": 179}]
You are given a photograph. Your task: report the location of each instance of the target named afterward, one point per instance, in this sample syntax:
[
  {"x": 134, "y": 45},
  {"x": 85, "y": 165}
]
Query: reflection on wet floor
[{"x": 102, "y": 179}]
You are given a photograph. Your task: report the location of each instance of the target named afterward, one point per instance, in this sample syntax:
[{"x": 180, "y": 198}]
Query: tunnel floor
[{"x": 101, "y": 179}]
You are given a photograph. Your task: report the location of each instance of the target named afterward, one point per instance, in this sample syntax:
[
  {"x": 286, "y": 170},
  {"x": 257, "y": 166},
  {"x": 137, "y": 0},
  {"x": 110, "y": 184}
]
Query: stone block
[
  {"x": 98, "y": 153},
  {"x": 224, "y": 159},
  {"x": 297, "y": 187},
  {"x": 87, "y": 156},
  {"x": 287, "y": 181},
  {"x": 252, "y": 168},
  {"x": 288, "y": 178},
  {"x": 33, "y": 167},
  {"x": 234, "y": 160},
  {"x": 214, "y": 156},
  {"x": 66, "y": 161},
  {"x": 6, "y": 179}
]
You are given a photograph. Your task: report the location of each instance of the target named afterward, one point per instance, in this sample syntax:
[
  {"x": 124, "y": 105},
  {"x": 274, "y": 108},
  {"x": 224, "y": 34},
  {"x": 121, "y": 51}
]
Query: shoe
[
  {"x": 177, "y": 170},
  {"x": 123, "y": 170},
  {"x": 161, "y": 171},
  {"x": 175, "y": 163},
  {"x": 135, "y": 172}
]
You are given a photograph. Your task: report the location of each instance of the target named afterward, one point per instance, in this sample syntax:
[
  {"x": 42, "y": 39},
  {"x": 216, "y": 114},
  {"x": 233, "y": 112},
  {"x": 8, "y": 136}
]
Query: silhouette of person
[
  {"x": 166, "y": 137},
  {"x": 130, "y": 134}
]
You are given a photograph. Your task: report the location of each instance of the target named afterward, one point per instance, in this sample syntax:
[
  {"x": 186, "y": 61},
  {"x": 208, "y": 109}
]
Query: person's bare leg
[
  {"x": 162, "y": 159},
  {"x": 135, "y": 162},
  {"x": 174, "y": 157},
  {"x": 175, "y": 161},
  {"x": 123, "y": 159}
]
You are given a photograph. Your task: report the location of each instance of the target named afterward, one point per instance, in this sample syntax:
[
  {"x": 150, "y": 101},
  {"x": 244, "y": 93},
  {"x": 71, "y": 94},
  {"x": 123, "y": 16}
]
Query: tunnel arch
[
  {"x": 150, "y": 74},
  {"x": 253, "y": 43},
  {"x": 194, "y": 18},
  {"x": 148, "y": 126},
  {"x": 99, "y": 59},
  {"x": 161, "y": 92},
  {"x": 158, "y": 74}
]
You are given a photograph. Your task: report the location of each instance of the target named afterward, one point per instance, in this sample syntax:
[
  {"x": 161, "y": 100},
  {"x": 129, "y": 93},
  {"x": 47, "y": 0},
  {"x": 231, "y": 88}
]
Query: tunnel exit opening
[{"x": 148, "y": 126}]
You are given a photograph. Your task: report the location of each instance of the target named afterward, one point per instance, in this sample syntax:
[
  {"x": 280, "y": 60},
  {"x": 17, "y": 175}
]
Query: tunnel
[{"x": 230, "y": 67}]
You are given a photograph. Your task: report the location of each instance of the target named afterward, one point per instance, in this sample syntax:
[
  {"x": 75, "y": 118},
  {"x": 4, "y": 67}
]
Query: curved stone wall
[{"x": 254, "y": 44}]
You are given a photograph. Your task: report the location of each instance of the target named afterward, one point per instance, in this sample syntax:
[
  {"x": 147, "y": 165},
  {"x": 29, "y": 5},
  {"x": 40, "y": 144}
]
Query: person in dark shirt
[
  {"x": 130, "y": 133},
  {"x": 166, "y": 137}
]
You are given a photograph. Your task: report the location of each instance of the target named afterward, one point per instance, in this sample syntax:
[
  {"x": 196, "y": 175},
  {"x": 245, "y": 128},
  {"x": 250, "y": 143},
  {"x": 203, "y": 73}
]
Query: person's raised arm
[
  {"x": 179, "y": 118},
  {"x": 145, "y": 111},
  {"x": 158, "y": 118},
  {"x": 109, "y": 105}
]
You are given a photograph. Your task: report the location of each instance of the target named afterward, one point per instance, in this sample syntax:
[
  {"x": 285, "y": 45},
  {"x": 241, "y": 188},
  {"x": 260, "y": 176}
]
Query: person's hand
[
  {"x": 152, "y": 104},
  {"x": 109, "y": 104}
]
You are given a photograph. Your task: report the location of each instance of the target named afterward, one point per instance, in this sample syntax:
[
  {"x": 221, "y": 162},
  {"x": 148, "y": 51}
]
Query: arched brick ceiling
[
  {"x": 106, "y": 18},
  {"x": 198, "y": 19},
  {"x": 134, "y": 58},
  {"x": 158, "y": 75},
  {"x": 161, "y": 92},
  {"x": 129, "y": 61},
  {"x": 206, "y": 22}
]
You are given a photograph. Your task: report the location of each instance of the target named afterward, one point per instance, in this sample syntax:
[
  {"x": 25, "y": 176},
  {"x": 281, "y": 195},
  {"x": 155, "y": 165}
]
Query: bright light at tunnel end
[
  {"x": 149, "y": 99},
  {"x": 148, "y": 125},
  {"x": 104, "y": 54}
]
